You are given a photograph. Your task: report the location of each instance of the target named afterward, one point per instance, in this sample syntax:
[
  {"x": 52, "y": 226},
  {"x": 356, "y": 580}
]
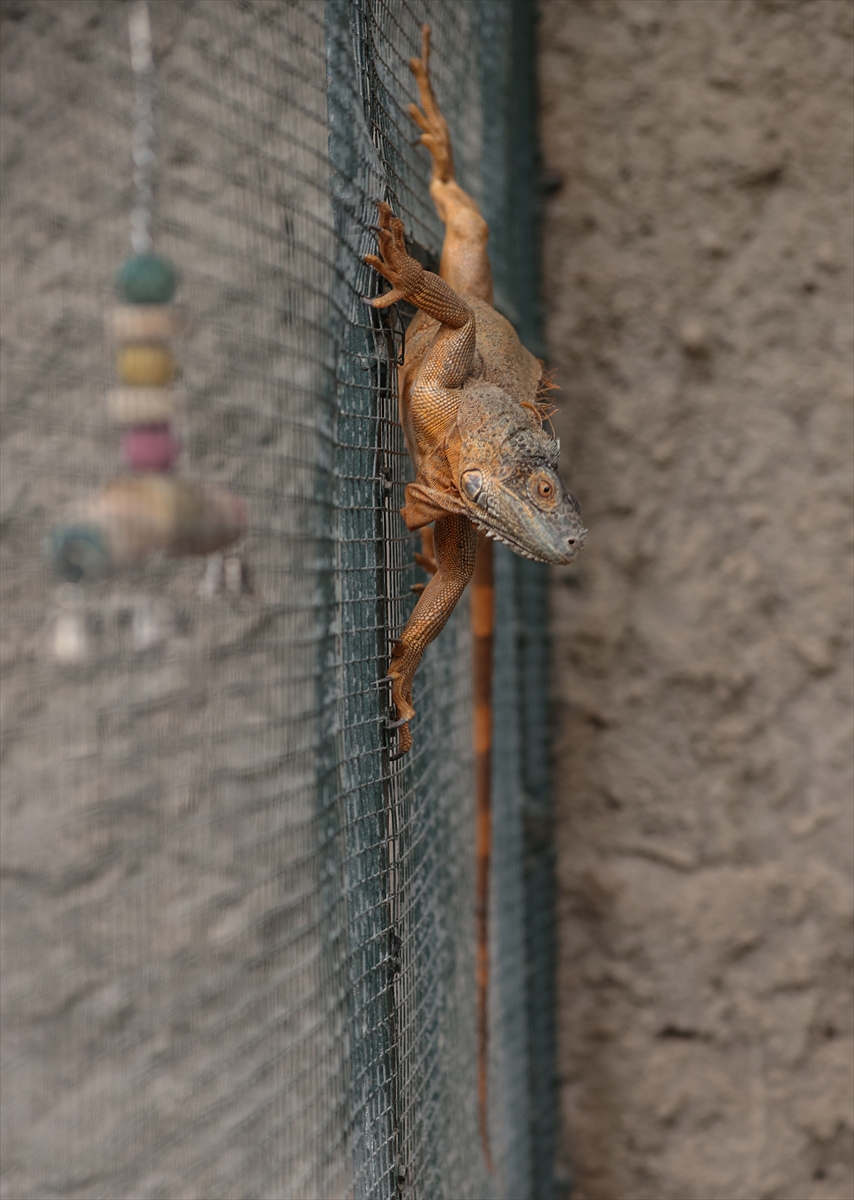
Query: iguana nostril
[{"x": 572, "y": 542}]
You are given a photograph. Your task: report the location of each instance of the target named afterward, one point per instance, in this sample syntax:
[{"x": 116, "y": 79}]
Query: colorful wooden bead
[
  {"x": 146, "y": 279},
  {"x": 134, "y": 516},
  {"x": 78, "y": 551},
  {"x": 207, "y": 519},
  {"x": 141, "y": 405},
  {"x": 150, "y": 447},
  {"x": 145, "y": 323},
  {"x": 145, "y": 365}
]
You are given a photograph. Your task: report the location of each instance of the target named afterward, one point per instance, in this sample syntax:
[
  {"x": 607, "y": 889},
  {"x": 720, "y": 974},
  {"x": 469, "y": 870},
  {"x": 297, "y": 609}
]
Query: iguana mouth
[{"x": 518, "y": 548}]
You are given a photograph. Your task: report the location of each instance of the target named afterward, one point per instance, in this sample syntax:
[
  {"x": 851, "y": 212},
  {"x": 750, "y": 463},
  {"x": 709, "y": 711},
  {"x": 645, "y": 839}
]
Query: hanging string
[{"x": 144, "y": 158}]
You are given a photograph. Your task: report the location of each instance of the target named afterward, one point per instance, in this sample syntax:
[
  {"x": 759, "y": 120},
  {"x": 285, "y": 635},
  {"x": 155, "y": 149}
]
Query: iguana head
[{"x": 508, "y": 480}]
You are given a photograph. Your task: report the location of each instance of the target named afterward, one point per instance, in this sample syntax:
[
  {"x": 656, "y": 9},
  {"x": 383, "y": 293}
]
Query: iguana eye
[{"x": 543, "y": 489}]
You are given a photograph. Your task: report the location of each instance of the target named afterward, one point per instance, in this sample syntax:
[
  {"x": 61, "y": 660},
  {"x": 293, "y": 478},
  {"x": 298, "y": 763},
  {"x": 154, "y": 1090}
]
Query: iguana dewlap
[{"x": 471, "y": 407}]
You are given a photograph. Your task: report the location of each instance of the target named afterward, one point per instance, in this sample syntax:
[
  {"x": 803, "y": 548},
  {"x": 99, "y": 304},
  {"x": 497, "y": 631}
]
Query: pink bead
[{"x": 150, "y": 447}]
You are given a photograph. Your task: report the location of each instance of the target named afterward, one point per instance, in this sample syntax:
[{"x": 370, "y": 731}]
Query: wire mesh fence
[{"x": 238, "y": 940}]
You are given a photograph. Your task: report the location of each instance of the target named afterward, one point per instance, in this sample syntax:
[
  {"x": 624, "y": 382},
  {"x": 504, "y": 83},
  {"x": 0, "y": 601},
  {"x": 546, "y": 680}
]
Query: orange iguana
[{"x": 472, "y": 403}]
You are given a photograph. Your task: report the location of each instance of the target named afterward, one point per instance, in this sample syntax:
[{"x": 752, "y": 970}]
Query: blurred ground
[{"x": 698, "y": 283}]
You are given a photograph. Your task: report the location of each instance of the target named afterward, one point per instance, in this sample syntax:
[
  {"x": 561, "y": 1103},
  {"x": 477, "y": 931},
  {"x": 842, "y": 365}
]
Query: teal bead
[
  {"x": 146, "y": 279},
  {"x": 77, "y": 552}
]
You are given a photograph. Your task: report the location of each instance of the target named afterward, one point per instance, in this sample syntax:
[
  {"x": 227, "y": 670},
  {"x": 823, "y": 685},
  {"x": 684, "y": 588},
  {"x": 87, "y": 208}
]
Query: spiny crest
[
  {"x": 541, "y": 410},
  {"x": 541, "y": 406},
  {"x": 546, "y": 384}
]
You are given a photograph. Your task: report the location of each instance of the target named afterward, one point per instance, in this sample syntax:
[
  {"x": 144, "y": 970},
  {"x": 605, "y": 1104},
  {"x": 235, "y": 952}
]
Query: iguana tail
[{"x": 483, "y": 621}]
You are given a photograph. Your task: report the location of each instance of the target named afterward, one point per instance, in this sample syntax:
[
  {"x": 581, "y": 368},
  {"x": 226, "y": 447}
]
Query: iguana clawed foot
[
  {"x": 434, "y": 127},
  {"x": 402, "y": 272},
  {"x": 401, "y": 670}
]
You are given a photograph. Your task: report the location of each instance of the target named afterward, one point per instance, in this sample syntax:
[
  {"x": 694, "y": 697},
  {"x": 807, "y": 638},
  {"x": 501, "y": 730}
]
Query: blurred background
[{"x": 697, "y": 251}]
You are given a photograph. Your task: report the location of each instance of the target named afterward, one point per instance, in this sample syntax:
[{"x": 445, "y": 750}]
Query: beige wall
[{"x": 698, "y": 287}]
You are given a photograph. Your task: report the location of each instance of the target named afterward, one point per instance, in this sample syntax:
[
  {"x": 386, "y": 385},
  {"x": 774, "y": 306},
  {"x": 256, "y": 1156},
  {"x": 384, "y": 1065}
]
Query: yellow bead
[
  {"x": 145, "y": 366},
  {"x": 145, "y": 323}
]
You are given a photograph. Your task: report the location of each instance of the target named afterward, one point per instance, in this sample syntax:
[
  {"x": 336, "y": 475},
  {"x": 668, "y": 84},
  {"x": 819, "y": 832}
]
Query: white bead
[
  {"x": 145, "y": 323},
  {"x": 141, "y": 405}
]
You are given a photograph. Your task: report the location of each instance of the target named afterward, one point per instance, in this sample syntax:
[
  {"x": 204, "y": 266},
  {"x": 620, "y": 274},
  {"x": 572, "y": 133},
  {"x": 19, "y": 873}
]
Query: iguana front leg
[{"x": 455, "y": 545}]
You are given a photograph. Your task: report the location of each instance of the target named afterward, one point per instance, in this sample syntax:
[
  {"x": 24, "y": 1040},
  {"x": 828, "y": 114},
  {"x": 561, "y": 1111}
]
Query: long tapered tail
[{"x": 483, "y": 623}]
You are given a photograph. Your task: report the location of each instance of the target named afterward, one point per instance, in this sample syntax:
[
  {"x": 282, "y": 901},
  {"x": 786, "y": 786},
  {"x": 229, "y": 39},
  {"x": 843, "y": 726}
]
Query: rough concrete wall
[{"x": 698, "y": 281}]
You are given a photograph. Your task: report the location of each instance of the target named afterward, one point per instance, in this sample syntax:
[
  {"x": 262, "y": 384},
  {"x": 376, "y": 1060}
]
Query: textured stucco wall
[{"x": 698, "y": 284}]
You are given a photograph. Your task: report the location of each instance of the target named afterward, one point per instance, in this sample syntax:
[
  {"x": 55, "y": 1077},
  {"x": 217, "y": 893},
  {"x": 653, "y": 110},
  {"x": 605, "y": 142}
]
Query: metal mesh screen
[{"x": 238, "y": 941}]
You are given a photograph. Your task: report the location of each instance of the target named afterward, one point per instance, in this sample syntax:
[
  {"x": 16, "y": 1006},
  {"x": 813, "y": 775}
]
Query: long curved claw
[
  {"x": 401, "y": 699},
  {"x": 404, "y": 742}
]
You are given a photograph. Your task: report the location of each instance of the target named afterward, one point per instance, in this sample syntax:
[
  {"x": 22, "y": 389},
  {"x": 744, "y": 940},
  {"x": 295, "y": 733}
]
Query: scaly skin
[{"x": 472, "y": 403}]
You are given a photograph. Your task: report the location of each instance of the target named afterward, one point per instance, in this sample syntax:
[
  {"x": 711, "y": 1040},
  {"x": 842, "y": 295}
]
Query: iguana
[{"x": 472, "y": 405}]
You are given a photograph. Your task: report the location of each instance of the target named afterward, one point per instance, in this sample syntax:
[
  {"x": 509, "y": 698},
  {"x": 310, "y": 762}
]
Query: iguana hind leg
[
  {"x": 455, "y": 544},
  {"x": 465, "y": 262}
]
